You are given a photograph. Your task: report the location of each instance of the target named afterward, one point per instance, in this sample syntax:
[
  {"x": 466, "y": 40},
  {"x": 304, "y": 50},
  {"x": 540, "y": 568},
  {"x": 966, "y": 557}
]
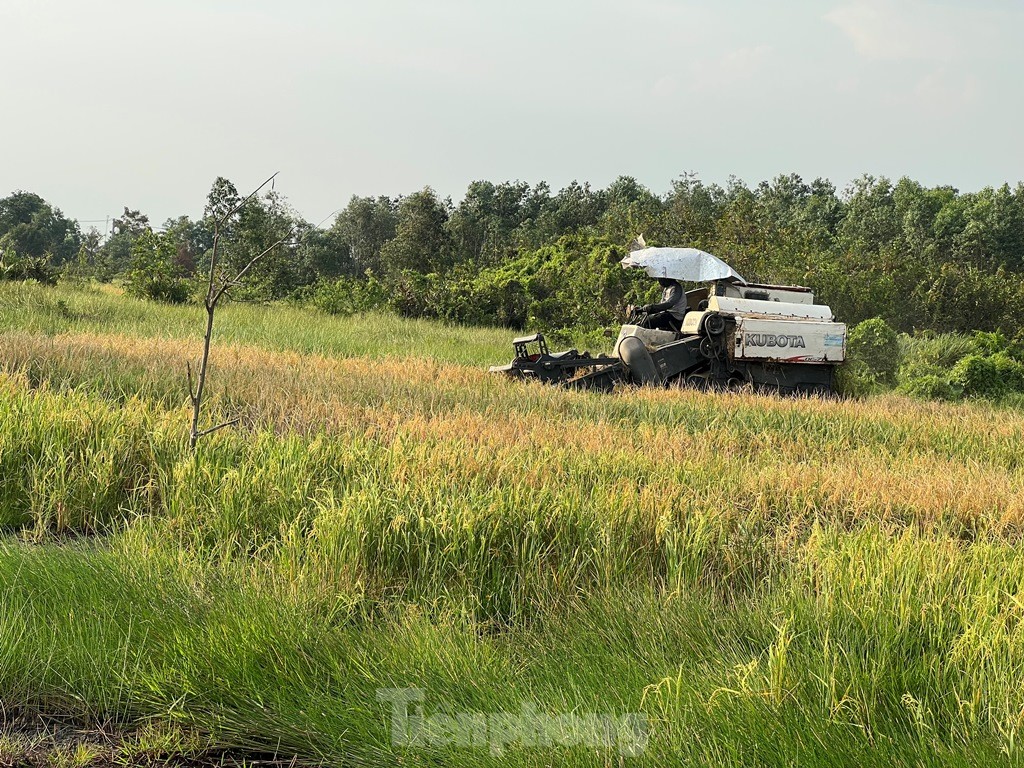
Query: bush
[
  {"x": 929, "y": 387},
  {"x": 502, "y": 300},
  {"x": 992, "y": 376},
  {"x": 154, "y": 274},
  {"x": 576, "y": 283},
  {"x": 988, "y": 342},
  {"x": 979, "y": 376},
  {"x": 876, "y": 346},
  {"x": 410, "y": 293},
  {"x": 347, "y": 296},
  {"x": 28, "y": 268},
  {"x": 1010, "y": 372},
  {"x": 933, "y": 353},
  {"x": 160, "y": 287},
  {"x": 852, "y": 381},
  {"x": 873, "y": 358}
]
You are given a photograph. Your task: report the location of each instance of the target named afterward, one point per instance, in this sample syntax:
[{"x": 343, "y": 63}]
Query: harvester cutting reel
[{"x": 535, "y": 361}]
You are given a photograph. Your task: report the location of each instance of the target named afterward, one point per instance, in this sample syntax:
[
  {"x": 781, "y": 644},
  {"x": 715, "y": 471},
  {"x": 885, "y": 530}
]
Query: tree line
[{"x": 516, "y": 254}]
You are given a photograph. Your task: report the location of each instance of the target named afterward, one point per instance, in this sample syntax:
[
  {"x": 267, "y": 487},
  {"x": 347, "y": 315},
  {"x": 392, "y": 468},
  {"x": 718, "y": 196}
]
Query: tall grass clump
[
  {"x": 848, "y": 654},
  {"x": 72, "y": 465}
]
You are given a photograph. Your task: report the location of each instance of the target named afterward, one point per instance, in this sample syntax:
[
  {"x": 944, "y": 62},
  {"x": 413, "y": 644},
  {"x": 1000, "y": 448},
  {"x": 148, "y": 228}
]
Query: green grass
[
  {"x": 101, "y": 309},
  {"x": 764, "y": 581},
  {"x": 798, "y": 674}
]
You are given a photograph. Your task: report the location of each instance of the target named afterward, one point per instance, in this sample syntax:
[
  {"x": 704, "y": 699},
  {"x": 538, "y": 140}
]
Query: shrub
[
  {"x": 347, "y": 296},
  {"x": 154, "y": 274},
  {"x": 502, "y": 300},
  {"x": 28, "y": 268},
  {"x": 979, "y": 376},
  {"x": 875, "y": 345},
  {"x": 159, "y": 287},
  {"x": 988, "y": 342},
  {"x": 929, "y": 387},
  {"x": 852, "y": 381},
  {"x": 873, "y": 358},
  {"x": 1010, "y": 372},
  {"x": 932, "y": 352},
  {"x": 410, "y": 293}
]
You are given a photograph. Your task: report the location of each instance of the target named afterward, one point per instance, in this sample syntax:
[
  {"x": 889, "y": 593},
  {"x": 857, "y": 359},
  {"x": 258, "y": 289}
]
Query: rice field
[{"x": 713, "y": 579}]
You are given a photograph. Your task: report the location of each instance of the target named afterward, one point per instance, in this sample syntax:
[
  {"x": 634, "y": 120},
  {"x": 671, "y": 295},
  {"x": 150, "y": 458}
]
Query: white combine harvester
[{"x": 732, "y": 333}]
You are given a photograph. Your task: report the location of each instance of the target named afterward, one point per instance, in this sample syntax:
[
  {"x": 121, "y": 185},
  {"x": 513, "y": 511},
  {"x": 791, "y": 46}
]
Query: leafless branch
[
  {"x": 213, "y": 295},
  {"x": 191, "y": 386},
  {"x": 213, "y": 263},
  {"x": 247, "y": 198},
  {"x": 236, "y": 280},
  {"x": 220, "y": 426}
]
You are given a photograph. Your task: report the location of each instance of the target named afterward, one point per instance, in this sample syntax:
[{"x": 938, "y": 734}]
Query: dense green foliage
[
  {"x": 873, "y": 357},
  {"x": 31, "y": 228},
  {"x": 29, "y": 268},
  {"x": 945, "y": 366},
  {"x": 514, "y": 254},
  {"x": 154, "y": 273},
  {"x": 919, "y": 258}
]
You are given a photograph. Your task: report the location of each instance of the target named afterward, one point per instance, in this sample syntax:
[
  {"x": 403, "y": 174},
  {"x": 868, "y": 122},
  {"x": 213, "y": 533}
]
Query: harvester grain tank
[{"x": 732, "y": 333}]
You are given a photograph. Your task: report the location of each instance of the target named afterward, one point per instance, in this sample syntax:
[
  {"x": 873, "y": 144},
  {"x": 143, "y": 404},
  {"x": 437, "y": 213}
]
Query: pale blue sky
[{"x": 111, "y": 103}]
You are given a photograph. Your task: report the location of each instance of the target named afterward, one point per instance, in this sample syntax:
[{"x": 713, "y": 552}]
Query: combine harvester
[{"x": 733, "y": 334}]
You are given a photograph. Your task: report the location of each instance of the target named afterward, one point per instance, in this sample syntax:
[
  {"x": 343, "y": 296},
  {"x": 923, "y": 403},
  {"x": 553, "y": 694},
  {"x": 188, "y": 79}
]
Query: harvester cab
[{"x": 733, "y": 334}]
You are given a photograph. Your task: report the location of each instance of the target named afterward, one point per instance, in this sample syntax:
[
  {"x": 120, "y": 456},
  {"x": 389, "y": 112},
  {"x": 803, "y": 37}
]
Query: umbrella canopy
[{"x": 689, "y": 264}]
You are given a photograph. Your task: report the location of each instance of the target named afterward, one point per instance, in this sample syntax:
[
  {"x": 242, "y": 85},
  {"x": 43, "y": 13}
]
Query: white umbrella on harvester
[{"x": 686, "y": 264}]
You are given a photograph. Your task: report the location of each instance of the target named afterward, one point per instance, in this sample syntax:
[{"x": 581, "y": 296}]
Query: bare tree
[{"x": 215, "y": 291}]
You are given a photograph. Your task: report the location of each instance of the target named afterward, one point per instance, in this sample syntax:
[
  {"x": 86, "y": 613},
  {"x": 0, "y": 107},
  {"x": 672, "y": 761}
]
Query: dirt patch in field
[{"x": 42, "y": 742}]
